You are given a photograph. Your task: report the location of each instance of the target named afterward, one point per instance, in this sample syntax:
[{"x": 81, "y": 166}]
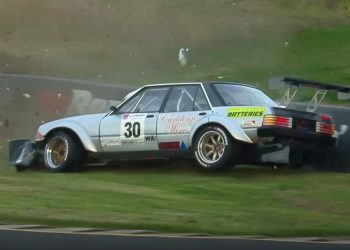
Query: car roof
[
  {"x": 231, "y": 83},
  {"x": 204, "y": 82},
  {"x": 171, "y": 84},
  {"x": 132, "y": 93}
]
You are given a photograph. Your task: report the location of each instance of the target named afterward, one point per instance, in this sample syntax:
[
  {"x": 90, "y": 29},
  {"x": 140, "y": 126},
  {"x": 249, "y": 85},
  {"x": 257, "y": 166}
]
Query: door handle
[
  {"x": 203, "y": 113},
  {"x": 149, "y": 116}
]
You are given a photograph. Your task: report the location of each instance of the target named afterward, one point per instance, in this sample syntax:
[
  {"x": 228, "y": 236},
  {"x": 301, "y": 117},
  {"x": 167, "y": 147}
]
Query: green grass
[
  {"x": 316, "y": 54},
  {"x": 246, "y": 201},
  {"x": 252, "y": 42},
  {"x": 137, "y": 42}
]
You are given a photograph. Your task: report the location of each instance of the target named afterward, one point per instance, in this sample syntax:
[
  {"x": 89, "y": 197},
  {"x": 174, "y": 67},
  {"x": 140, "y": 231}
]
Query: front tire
[
  {"x": 63, "y": 152},
  {"x": 214, "y": 149}
]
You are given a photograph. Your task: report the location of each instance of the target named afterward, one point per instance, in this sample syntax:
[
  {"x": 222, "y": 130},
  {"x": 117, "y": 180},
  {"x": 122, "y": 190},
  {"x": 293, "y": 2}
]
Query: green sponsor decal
[{"x": 245, "y": 112}]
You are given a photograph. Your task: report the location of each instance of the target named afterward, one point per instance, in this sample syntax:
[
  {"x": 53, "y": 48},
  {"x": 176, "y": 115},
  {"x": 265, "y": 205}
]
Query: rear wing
[{"x": 322, "y": 89}]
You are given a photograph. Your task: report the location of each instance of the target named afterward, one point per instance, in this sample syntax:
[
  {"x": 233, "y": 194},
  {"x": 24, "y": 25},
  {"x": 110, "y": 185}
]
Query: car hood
[
  {"x": 83, "y": 118},
  {"x": 88, "y": 123}
]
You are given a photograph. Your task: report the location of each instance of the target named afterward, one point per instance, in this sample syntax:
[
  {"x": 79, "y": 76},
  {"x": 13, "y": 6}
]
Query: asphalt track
[{"x": 14, "y": 240}]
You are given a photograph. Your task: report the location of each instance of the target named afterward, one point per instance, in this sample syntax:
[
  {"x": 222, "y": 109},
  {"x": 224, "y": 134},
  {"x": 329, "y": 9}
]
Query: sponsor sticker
[
  {"x": 177, "y": 124},
  {"x": 183, "y": 146},
  {"x": 150, "y": 138},
  {"x": 248, "y": 124},
  {"x": 169, "y": 145},
  {"x": 132, "y": 128},
  {"x": 173, "y": 145},
  {"x": 110, "y": 141},
  {"x": 245, "y": 112}
]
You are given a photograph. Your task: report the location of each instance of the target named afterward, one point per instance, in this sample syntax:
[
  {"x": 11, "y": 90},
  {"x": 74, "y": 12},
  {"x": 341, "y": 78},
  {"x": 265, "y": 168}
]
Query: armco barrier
[{"x": 27, "y": 101}]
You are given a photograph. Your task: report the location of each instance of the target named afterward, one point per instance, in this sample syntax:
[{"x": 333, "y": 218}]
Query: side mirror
[{"x": 113, "y": 108}]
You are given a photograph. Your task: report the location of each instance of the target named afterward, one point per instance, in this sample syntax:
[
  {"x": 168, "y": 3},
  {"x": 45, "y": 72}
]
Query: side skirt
[{"x": 142, "y": 155}]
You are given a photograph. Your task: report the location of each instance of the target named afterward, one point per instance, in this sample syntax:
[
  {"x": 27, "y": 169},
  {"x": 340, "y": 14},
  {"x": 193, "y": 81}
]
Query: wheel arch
[
  {"x": 77, "y": 132},
  {"x": 61, "y": 129},
  {"x": 232, "y": 129}
]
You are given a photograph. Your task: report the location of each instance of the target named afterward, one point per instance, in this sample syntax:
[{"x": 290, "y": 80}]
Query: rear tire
[
  {"x": 63, "y": 152},
  {"x": 214, "y": 149},
  {"x": 326, "y": 159},
  {"x": 296, "y": 158}
]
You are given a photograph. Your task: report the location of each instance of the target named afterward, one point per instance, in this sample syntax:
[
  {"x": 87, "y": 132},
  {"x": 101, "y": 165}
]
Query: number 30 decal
[{"x": 132, "y": 129}]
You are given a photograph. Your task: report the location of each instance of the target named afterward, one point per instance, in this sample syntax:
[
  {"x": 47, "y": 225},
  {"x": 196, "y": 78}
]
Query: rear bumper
[{"x": 297, "y": 136}]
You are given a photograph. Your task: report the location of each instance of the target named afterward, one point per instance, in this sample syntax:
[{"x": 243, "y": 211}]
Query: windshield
[{"x": 238, "y": 95}]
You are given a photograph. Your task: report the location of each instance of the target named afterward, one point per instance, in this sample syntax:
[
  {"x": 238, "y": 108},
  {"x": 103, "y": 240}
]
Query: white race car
[{"x": 217, "y": 123}]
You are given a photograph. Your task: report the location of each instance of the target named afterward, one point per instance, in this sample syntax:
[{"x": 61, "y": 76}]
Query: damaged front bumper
[{"x": 23, "y": 152}]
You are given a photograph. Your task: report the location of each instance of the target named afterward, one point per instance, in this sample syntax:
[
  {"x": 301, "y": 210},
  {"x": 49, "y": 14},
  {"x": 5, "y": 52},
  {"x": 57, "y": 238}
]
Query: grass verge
[{"x": 246, "y": 201}]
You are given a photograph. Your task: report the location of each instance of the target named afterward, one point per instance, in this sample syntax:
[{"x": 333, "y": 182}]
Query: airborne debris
[
  {"x": 220, "y": 77},
  {"x": 342, "y": 130},
  {"x": 26, "y": 95},
  {"x": 8, "y": 89},
  {"x": 286, "y": 43},
  {"x": 183, "y": 52}
]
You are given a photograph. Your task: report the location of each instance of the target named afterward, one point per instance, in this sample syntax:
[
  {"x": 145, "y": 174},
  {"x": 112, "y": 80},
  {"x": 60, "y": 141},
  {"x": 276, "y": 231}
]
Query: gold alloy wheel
[
  {"x": 56, "y": 152},
  {"x": 211, "y": 147}
]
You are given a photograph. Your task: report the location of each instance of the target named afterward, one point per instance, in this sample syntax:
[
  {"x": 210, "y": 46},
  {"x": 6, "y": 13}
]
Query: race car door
[
  {"x": 133, "y": 126},
  {"x": 185, "y": 106}
]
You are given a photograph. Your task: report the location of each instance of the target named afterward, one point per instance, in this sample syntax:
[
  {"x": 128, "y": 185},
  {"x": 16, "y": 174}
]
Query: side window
[
  {"x": 186, "y": 98},
  {"x": 181, "y": 99},
  {"x": 213, "y": 95},
  {"x": 130, "y": 105},
  {"x": 201, "y": 102},
  {"x": 151, "y": 100},
  {"x": 173, "y": 99}
]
